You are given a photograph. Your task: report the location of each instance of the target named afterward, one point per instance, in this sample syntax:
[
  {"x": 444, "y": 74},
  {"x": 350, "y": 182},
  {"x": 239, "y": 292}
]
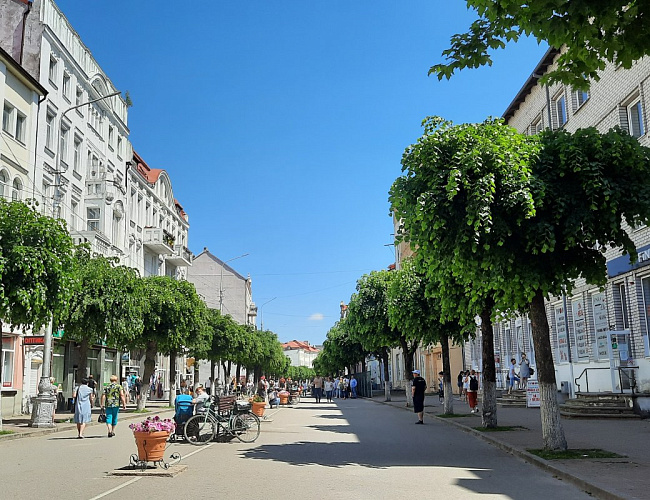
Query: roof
[
  {"x": 540, "y": 69},
  {"x": 220, "y": 263},
  {"x": 151, "y": 175},
  {"x": 295, "y": 345}
]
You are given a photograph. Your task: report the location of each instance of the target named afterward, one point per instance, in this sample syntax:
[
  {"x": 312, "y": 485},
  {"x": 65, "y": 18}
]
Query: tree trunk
[
  {"x": 408, "y": 369},
  {"x": 214, "y": 379},
  {"x": 446, "y": 377},
  {"x": 172, "y": 377},
  {"x": 82, "y": 367},
  {"x": 197, "y": 375},
  {"x": 488, "y": 375},
  {"x": 237, "y": 374},
  {"x": 384, "y": 358},
  {"x": 149, "y": 369},
  {"x": 552, "y": 431}
]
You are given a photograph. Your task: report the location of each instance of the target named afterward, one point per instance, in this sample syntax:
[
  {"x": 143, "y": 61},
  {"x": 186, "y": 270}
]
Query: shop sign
[
  {"x": 580, "y": 329},
  {"x": 621, "y": 265},
  {"x": 532, "y": 394},
  {"x": 562, "y": 336},
  {"x": 34, "y": 340}
]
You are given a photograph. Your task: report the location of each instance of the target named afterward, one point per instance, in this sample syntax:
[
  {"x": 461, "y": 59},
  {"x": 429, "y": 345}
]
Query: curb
[
  {"x": 59, "y": 428},
  {"x": 545, "y": 465}
]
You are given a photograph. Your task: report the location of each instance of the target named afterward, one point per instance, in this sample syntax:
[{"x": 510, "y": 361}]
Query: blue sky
[{"x": 282, "y": 125}]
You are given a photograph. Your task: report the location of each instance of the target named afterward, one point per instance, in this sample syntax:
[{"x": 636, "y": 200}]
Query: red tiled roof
[
  {"x": 150, "y": 174},
  {"x": 180, "y": 209},
  {"x": 294, "y": 345}
]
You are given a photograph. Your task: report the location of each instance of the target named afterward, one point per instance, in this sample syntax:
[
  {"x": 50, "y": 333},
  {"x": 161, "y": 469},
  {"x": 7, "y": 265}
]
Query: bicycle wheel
[
  {"x": 246, "y": 427},
  {"x": 199, "y": 430}
]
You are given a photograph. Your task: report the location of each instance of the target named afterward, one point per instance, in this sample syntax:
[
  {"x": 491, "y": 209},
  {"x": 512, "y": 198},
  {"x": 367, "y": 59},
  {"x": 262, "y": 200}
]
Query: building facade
[
  {"x": 300, "y": 353},
  {"x": 80, "y": 166}
]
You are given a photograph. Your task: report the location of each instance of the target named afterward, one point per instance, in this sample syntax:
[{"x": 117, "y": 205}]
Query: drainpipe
[
  {"x": 38, "y": 115},
  {"x": 22, "y": 35}
]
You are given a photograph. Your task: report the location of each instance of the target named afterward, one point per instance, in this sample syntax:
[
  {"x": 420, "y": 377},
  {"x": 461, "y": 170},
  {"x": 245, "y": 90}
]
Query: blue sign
[{"x": 622, "y": 264}]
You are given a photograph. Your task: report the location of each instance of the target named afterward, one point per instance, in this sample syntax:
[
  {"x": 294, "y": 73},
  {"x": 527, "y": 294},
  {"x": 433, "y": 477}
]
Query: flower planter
[
  {"x": 284, "y": 399},
  {"x": 151, "y": 445},
  {"x": 258, "y": 408}
]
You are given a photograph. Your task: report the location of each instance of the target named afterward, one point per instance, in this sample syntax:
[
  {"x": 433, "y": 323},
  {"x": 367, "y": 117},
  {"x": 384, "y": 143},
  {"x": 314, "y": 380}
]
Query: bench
[{"x": 225, "y": 405}]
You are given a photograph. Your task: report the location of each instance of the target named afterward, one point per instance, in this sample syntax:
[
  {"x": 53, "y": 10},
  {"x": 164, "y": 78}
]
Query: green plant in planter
[{"x": 258, "y": 399}]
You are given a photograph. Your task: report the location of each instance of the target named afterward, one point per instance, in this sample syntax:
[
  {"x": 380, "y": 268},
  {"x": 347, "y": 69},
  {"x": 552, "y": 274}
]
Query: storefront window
[
  {"x": 7, "y": 361},
  {"x": 93, "y": 364},
  {"x": 645, "y": 286},
  {"x": 110, "y": 367},
  {"x": 58, "y": 355}
]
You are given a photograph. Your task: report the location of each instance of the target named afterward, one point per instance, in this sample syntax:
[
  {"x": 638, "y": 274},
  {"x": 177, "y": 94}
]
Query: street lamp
[
  {"x": 45, "y": 401},
  {"x": 221, "y": 280},
  {"x": 262, "y": 313}
]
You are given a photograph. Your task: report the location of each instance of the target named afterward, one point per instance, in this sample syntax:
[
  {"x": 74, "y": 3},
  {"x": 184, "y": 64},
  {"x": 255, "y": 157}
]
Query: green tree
[
  {"x": 106, "y": 305},
  {"x": 341, "y": 351},
  {"x": 368, "y": 320},
  {"x": 414, "y": 307},
  {"x": 518, "y": 218},
  {"x": 35, "y": 268},
  {"x": 173, "y": 318},
  {"x": 592, "y": 32}
]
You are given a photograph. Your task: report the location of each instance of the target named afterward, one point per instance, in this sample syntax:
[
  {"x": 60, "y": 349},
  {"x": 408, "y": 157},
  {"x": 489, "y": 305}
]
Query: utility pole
[{"x": 221, "y": 280}]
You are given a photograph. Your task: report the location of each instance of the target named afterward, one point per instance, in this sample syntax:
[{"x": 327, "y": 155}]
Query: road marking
[
  {"x": 135, "y": 479},
  {"x": 106, "y": 493}
]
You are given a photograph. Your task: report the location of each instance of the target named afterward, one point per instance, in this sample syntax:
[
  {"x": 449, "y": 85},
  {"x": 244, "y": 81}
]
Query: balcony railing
[
  {"x": 181, "y": 256},
  {"x": 158, "y": 240}
]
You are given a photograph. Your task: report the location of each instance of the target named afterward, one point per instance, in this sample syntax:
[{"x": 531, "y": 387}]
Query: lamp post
[
  {"x": 262, "y": 313},
  {"x": 221, "y": 280},
  {"x": 45, "y": 401}
]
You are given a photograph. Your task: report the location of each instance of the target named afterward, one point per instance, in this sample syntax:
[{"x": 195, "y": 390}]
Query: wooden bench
[{"x": 225, "y": 404}]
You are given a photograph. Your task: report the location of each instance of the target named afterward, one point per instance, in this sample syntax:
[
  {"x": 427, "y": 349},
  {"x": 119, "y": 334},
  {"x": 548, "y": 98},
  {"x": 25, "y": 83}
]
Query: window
[
  {"x": 76, "y": 161},
  {"x": 559, "y": 103},
  {"x": 21, "y": 127},
  {"x": 111, "y": 137},
  {"x": 4, "y": 181},
  {"x": 93, "y": 218},
  {"x": 63, "y": 144},
  {"x": 52, "y": 71},
  {"x": 119, "y": 146},
  {"x": 47, "y": 197},
  {"x": 74, "y": 209},
  {"x": 581, "y": 97},
  {"x": 66, "y": 86},
  {"x": 78, "y": 98},
  {"x": 17, "y": 190},
  {"x": 536, "y": 126},
  {"x": 49, "y": 133},
  {"x": 622, "y": 317},
  {"x": 635, "y": 119},
  {"x": 7, "y": 118},
  {"x": 8, "y": 351}
]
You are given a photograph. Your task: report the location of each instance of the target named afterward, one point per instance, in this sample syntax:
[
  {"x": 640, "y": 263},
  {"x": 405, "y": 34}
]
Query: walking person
[
  {"x": 336, "y": 388},
  {"x": 318, "y": 387},
  {"x": 472, "y": 392},
  {"x": 524, "y": 371},
  {"x": 208, "y": 385},
  {"x": 353, "y": 386},
  {"x": 466, "y": 384},
  {"x": 84, "y": 397},
  {"x": 93, "y": 385},
  {"x": 110, "y": 402},
  {"x": 512, "y": 374},
  {"x": 460, "y": 384},
  {"x": 418, "y": 386},
  {"x": 329, "y": 389}
]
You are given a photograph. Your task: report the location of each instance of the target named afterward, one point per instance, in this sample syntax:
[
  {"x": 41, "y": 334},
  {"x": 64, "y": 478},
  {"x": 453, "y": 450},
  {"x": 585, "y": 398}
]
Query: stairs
[
  {"x": 516, "y": 399},
  {"x": 599, "y": 405}
]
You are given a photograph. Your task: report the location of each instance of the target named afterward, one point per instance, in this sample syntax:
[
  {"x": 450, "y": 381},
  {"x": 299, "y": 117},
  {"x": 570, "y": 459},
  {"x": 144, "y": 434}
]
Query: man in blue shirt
[{"x": 353, "y": 387}]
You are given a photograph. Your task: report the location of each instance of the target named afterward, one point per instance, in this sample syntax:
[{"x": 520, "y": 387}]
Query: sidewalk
[
  {"x": 19, "y": 424},
  {"x": 612, "y": 478}
]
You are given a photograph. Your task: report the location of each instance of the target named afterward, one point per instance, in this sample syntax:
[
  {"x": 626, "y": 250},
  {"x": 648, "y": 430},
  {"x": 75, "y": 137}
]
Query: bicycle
[{"x": 204, "y": 427}]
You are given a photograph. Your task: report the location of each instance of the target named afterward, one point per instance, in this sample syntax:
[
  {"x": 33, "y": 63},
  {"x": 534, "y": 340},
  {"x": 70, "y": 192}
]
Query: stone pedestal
[{"x": 44, "y": 405}]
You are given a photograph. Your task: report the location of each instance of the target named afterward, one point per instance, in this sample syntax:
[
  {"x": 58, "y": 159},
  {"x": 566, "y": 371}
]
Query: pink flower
[{"x": 154, "y": 424}]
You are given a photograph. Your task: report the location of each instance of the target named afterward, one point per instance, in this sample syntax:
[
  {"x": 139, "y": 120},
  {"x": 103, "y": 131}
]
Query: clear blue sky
[{"x": 282, "y": 125}]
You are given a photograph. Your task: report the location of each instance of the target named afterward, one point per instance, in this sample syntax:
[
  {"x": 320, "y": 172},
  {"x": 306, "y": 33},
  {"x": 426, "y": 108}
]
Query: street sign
[{"x": 34, "y": 340}]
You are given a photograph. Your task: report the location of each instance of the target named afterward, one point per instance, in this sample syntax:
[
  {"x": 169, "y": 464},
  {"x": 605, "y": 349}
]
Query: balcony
[
  {"x": 97, "y": 240},
  {"x": 181, "y": 256},
  {"x": 158, "y": 240}
]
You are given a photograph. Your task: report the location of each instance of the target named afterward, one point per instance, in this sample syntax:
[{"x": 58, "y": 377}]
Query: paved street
[{"x": 351, "y": 449}]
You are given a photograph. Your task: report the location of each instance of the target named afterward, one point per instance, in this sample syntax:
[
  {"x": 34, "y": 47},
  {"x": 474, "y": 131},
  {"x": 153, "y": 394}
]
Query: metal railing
[{"x": 624, "y": 372}]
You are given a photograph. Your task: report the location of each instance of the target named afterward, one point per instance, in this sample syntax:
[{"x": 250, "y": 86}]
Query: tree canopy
[{"x": 593, "y": 33}]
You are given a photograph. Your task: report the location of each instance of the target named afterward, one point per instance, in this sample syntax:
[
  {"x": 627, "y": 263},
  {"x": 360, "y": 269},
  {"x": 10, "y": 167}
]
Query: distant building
[{"x": 301, "y": 353}]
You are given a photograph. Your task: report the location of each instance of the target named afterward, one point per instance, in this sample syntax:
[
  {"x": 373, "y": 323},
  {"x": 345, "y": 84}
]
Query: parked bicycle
[{"x": 239, "y": 422}]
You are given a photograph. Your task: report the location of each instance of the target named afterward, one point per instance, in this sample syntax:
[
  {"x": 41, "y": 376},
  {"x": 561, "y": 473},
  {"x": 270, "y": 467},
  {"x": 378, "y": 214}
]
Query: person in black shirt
[{"x": 418, "y": 386}]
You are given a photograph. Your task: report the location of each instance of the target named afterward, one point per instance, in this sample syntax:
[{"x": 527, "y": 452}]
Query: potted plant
[
  {"x": 259, "y": 404},
  {"x": 151, "y": 437}
]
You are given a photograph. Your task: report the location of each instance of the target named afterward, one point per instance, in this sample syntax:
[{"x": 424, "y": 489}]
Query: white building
[
  {"x": 82, "y": 168},
  {"x": 300, "y": 353}
]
